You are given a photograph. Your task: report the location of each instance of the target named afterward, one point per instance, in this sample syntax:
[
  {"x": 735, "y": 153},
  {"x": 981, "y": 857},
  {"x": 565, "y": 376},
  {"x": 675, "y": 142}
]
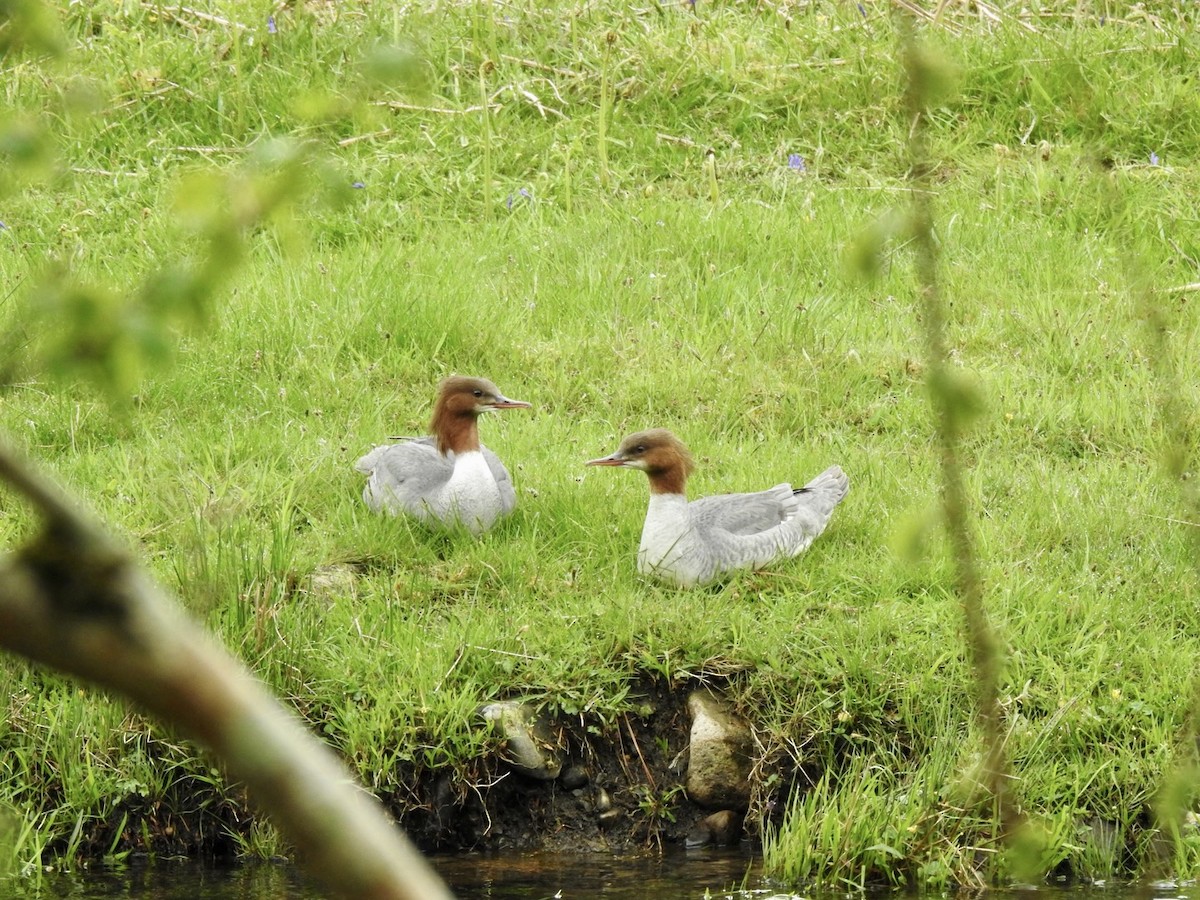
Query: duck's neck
[
  {"x": 671, "y": 480},
  {"x": 457, "y": 432}
]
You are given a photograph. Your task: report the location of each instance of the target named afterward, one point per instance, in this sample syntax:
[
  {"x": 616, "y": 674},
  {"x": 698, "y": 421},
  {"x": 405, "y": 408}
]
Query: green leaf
[
  {"x": 933, "y": 78},
  {"x": 910, "y": 538},
  {"x": 867, "y": 252},
  {"x": 29, "y": 25},
  {"x": 960, "y": 394},
  {"x": 396, "y": 66},
  {"x": 26, "y": 152}
]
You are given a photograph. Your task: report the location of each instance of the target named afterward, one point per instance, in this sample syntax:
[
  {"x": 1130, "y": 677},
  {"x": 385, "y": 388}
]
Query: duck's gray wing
[
  {"x": 742, "y": 531},
  {"x": 400, "y": 476},
  {"x": 753, "y": 529},
  {"x": 508, "y": 494},
  {"x": 744, "y": 513}
]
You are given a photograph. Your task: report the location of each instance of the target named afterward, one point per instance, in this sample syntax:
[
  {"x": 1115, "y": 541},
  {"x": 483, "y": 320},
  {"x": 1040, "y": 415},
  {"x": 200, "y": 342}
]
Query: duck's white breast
[
  {"x": 471, "y": 496},
  {"x": 670, "y": 548}
]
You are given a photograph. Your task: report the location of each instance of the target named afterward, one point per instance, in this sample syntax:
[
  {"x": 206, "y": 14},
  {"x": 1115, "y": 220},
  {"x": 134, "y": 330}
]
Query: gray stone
[
  {"x": 530, "y": 745},
  {"x": 720, "y": 829},
  {"x": 602, "y": 801},
  {"x": 573, "y": 777},
  {"x": 718, "y": 773}
]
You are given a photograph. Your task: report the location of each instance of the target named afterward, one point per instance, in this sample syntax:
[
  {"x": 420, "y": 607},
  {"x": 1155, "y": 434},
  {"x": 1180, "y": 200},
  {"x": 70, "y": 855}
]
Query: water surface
[
  {"x": 677, "y": 875},
  {"x": 470, "y": 876}
]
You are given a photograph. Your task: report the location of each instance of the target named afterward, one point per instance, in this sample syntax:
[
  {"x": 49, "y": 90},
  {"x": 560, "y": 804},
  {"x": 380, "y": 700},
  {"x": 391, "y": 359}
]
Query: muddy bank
[{"x": 622, "y": 787}]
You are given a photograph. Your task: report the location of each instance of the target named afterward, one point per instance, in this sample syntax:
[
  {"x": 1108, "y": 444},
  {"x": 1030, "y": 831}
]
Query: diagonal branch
[{"x": 73, "y": 599}]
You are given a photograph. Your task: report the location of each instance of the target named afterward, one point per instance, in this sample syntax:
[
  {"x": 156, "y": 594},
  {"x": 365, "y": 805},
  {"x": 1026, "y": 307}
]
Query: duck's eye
[
  {"x": 640, "y": 448},
  {"x": 477, "y": 392}
]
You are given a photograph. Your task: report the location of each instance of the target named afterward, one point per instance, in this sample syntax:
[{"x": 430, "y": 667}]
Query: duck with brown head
[
  {"x": 694, "y": 543},
  {"x": 447, "y": 478}
]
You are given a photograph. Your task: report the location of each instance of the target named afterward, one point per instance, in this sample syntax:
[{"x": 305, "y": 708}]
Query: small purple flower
[
  {"x": 1153, "y": 158},
  {"x": 3, "y": 227},
  {"x": 508, "y": 202},
  {"x": 524, "y": 192},
  {"x": 796, "y": 163},
  {"x": 692, "y": 4},
  {"x": 271, "y": 29},
  {"x": 861, "y": 10},
  {"x": 358, "y": 185}
]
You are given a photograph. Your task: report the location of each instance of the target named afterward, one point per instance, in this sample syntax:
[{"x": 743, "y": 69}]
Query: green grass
[{"x": 616, "y": 296}]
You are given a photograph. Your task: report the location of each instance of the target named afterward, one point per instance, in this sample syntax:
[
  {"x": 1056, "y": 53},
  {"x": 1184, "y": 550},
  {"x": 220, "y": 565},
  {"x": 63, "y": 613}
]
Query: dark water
[
  {"x": 470, "y": 876},
  {"x": 699, "y": 875},
  {"x": 674, "y": 875}
]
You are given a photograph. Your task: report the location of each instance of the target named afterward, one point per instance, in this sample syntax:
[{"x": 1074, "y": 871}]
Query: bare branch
[{"x": 75, "y": 600}]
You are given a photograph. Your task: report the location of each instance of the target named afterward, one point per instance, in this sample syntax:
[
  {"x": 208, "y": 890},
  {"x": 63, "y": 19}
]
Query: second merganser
[
  {"x": 447, "y": 478},
  {"x": 695, "y": 543}
]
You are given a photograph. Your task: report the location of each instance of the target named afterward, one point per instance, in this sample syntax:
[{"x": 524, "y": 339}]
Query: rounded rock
[
  {"x": 530, "y": 746},
  {"x": 718, "y": 773},
  {"x": 574, "y": 777}
]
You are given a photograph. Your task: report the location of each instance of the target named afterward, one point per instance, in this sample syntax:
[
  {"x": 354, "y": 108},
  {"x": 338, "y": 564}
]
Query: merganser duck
[
  {"x": 695, "y": 543},
  {"x": 447, "y": 478}
]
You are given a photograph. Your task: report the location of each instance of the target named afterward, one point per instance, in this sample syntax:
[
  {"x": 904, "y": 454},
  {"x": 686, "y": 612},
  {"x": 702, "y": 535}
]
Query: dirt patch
[{"x": 621, "y": 789}]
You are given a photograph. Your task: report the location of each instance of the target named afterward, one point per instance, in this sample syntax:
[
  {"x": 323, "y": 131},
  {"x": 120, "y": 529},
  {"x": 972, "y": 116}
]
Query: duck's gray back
[{"x": 400, "y": 476}]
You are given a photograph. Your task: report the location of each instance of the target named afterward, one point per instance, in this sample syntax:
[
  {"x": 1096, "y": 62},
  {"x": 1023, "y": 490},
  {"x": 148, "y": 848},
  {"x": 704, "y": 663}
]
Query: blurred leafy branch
[
  {"x": 1178, "y": 419},
  {"x": 71, "y": 327},
  {"x": 111, "y": 336},
  {"x": 955, "y": 403},
  {"x": 29, "y": 26},
  {"x": 929, "y": 82}
]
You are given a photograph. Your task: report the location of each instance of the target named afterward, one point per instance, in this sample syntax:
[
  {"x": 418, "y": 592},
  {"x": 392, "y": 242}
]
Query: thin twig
[
  {"x": 504, "y": 652},
  {"x": 105, "y": 173},
  {"x": 794, "y": 66},
  {"x": 998, "y": 13},
  {"x": 178, "y": 14},
  {"x": 920, "y": 13},
  {"x": 622, "y": 757},
  {"x": 542, "y": 67},
  {"x": 1181, "y": 289},
  {"x": 638, "y": 750},
  {"x": 1172, "y": 520},
  {"x": 671, "y": 139},
  {"x": 346, "y": 142},
  {"x": 454, "y": 665},
  {"x": 440, "y": 110},
  {"x": 143, "y": 97},
  {"x": 527, "y": 95},
  {"x": 195, "y": 149}
]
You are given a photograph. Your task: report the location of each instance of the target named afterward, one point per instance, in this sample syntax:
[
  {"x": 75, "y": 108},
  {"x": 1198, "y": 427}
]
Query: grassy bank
[{"x": 533, "y": 204}]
